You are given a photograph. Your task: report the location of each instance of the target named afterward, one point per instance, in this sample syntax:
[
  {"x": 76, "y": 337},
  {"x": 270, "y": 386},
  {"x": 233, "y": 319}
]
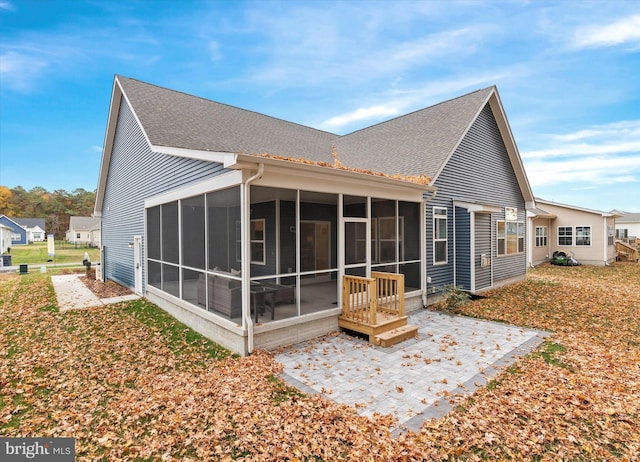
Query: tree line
[{"x": 56, "y": 207}]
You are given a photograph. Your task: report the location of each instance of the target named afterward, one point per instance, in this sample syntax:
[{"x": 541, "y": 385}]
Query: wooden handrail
[
  {"x": 359, "y": 301},
  {"x": 363, "y": 297},
  {"x": 390, "y": 292}
]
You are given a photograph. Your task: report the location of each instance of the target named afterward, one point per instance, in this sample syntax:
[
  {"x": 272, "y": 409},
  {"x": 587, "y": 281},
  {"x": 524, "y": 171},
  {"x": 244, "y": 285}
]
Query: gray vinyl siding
[
  {"x": 479, "y": 171},
  {"x": 135, "y": 174},
  {"x": 483, "y": 245},
  {"x": 463, "y": 248}
]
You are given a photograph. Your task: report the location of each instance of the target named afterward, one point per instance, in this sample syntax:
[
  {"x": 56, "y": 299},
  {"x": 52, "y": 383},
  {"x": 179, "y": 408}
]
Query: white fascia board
[
  {"x": 580, "y": 209},
  {"x": 226, "y": 158},
  {"x": 473, "y": 207},
  {"x": 511, "y": 146},
  {"x": 226, "y": 180},
  {"x": 107, "y": 145}
]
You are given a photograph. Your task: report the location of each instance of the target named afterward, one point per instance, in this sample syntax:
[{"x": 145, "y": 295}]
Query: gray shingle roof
[
  {"x": 629, "y": 218},
  {"x": 418, "y": 143},
  {"x": 30, "y": 222},
  {"x": 175, "y": 119},
  {"x": 77, "y": 223}
]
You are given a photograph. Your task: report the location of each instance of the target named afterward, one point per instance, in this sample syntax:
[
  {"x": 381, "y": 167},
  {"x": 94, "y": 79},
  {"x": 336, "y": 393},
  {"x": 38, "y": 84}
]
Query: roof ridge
[
  {"x": 420, "y": 110},
  {"x": 119, "y": 76}
]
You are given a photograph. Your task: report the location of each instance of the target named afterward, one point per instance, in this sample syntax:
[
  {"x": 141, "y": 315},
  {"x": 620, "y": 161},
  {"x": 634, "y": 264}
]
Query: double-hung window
[
  {"x": 541, "y": 236},
  {"x": 583, "y": 235},
  {"x": 565, "y": 235},
  {"x": 439, "y": 235},
  {"x": 258, "y": 247}
]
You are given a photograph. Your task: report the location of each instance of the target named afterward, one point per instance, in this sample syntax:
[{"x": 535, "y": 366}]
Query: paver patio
[{"x": 413, "y": 380}]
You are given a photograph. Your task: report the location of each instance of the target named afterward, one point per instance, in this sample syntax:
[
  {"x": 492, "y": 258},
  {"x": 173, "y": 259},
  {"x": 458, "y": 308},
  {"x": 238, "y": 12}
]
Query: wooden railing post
[{"x": 390, "y": 291}]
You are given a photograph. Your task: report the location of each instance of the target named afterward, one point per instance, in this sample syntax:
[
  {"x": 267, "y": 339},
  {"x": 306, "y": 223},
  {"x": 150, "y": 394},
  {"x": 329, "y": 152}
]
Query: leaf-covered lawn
[{"x": 130, "y": 383}]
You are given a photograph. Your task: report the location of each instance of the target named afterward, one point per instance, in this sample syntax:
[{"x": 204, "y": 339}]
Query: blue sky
[{"x": 568, "y": 73}]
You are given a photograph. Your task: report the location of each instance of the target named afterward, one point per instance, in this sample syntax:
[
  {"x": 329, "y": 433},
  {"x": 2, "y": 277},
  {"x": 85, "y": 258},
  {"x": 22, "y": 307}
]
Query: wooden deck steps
[
  {"x": 375, "y": 307},
  {"x": 384, "y": 323},
  {"x": 397, "y": 335},
  {"x": 626, "y": 252}
]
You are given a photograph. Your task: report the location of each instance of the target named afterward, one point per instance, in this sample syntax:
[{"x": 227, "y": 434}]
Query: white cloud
[
  {"x": 598, "y": 155},
  {"x": 616, "y": 130},
  {"x": 584, "y": 171},
  {"x": 373, "y": 112},
  {"x": 622, "y": 31},
  {"x": 6, "y": 6},
  {"x": 214, "y": 50},
  {"x": 18, "y": 70},
  {"x": 584, "y": 149},
  {"x": 399, "y": 101}
]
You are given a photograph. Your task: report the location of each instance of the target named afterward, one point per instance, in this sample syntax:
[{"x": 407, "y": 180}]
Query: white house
[
  {"x": 628, "y": 226},
  {"x": 588, "y": 235},
  {"x": 5, "y": 238},
  {"x": 84, "y": 231},
  {"x": 35, "y": 228}
]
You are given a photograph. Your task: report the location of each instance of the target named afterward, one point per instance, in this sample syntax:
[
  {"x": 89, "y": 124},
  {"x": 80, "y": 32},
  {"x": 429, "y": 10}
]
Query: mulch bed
[{"x": 107, "y": 289}]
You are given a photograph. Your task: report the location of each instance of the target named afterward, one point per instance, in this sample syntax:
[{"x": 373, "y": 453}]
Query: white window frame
[
  {"x": 262, "y": 241},
  {"x": 542, "y": 236},
  {"x": 565, "y": 235},
  {"x": 587, "y": 234},
  {"x": 610, "y": 235},
  {"x": 440, "y": 214},
  {"x": 519, "y": 236}
]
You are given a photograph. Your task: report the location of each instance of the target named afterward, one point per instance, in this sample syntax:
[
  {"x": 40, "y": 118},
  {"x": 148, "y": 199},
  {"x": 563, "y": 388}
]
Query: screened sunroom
[{"x": 259, "y": 259}]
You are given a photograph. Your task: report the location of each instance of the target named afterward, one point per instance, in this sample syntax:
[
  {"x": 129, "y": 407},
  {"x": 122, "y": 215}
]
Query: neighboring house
[
  {"x": 210, "y": 210},
  {"x": 628, "y": 226},
  {"x": 84, "y": 231},
  {"x": 5, "y": 238},
  {"x": 588, "y": 235},
  {"x": 35, "y": 228},
  {"x": 19, "y": 235}
]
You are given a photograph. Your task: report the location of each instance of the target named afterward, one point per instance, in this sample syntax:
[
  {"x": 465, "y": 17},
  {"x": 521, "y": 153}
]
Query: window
[
  {"x": 541, "y": 236},
  {"x": 77, "y": 235},
  {"x": 583, "y": 235},
  {"x": 610, "y": 233},
  {"x": 565, "y": 235},
  {"x": 258, "y": 241},
  {"x": 622, "y": 233},
  {"x": 439, "y": 235},
  {"x": 510, "y": 237},
  {"x": 520, "y": 237}
]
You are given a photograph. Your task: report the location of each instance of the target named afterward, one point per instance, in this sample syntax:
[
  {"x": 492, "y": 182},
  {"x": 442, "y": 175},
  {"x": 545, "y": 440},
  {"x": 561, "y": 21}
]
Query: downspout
[
  {"x": 426, "y": 281},
  {"x": 606, "y": 242},
  {"x": 246, "y": 263}
]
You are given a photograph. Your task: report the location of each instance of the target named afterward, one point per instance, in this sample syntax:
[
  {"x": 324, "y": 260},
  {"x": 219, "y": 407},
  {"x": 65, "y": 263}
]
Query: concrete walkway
[
  {"x": 72, "y": 294},
  {"x": 413, "y": 380}
]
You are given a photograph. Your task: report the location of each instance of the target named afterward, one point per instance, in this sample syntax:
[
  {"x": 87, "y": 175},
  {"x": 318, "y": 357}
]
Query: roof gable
[
  {"x": 84, "y": 223},
  {"x": 573, "y": 207},
  {"x": 628, "y": 218},
  {"x": 416, "y": 143},
  {"x": 178, "y": 120},
  {"x": 31, "y": 222}
]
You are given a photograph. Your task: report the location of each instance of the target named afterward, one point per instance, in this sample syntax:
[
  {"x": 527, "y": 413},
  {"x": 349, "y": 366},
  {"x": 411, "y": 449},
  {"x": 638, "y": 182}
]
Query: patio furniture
[
  {"x": 224, "y": 295},
  {"x": 267, "y": 295}
]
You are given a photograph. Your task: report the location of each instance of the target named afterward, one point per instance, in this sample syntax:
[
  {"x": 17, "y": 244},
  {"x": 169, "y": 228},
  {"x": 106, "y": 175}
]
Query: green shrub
[{"x": 454, "y": 297}]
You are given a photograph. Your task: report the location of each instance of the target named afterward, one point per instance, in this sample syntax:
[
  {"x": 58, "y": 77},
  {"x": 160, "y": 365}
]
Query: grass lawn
[
  {"x": 37, "y": 253},
  {"x": 128, "y": 382}
]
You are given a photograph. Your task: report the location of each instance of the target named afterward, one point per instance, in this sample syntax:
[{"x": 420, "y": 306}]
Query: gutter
[
  {"x": 423, "y": 251},
  {"x": 246, "y": 260}
]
